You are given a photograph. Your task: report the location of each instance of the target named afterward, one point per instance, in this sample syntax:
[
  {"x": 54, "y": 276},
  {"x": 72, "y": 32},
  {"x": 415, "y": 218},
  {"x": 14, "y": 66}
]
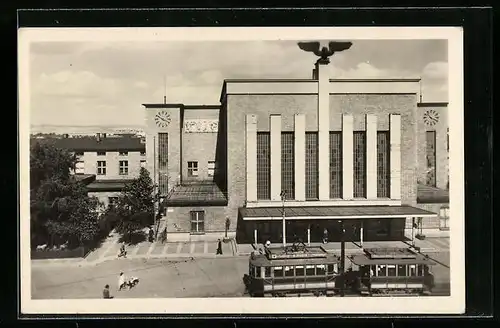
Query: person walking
[
  {"x": 219, "y": 247},
  {"x": 105, "y": 292},
  {"x": 121, "y": 281}
]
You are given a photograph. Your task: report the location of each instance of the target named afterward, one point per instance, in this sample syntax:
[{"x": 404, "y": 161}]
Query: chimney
[
  {"x": 98, "y": 137},
  {"x": 104, "y": 135}
]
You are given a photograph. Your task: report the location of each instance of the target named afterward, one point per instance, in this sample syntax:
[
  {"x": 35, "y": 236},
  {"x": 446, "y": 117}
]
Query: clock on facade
[
  {"x": 431, "y": 117},
  {"x": 162, "y": 119}
]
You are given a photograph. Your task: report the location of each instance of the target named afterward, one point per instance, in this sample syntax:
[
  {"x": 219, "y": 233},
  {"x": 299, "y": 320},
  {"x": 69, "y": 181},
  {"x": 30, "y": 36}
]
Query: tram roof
[
  {"x": 261, "y": 260},
  {"x": 366, "y": 260}
]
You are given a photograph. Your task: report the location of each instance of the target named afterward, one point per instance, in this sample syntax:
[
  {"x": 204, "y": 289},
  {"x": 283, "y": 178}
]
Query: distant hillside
[{"x": 61, "y": 129}]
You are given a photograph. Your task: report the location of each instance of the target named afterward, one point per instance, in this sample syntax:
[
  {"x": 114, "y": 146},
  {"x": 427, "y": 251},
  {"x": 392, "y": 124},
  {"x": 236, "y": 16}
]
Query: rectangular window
[
  {"x": 288, "y": 164},
  {"x": 444, "y": 218},
  {"x": 381, "y": 271},
  {"x": 383, "y": 164},
  {"x": 278, "y": 272},
  {"x": 320, "y": 270},
  {"x": 143, "y": 163},
  {"x": 267, "y": 272},
  {"x": 402, "y": 270},
  {"x": 335, "y": 164},
  {"x": 263, "y": 165},
  {"x": 412, "y": 270},
  {"x": 123, "y": 153},
  {"x": 359, "y": 164},
  {"x": 391, "y": 270},
  {"x": 192, "y": 169},
  {"x": 211, "y": 168},
  {"x": 101, "y": 153},
  {"x": 163, "y": 163},
  {"x": 431, "y": 157},
  {"x": 197, "y": 221},
  {"x": 309, "y": 270},
  {"x": 101, "y": 167},
  {"x": 123, "y": 167},
  {"x": 299, "y": 271},
  {"x": 80, "y": 167},
  {"x": 289, "y": 272},
  {"x": 311, "y": 165}
]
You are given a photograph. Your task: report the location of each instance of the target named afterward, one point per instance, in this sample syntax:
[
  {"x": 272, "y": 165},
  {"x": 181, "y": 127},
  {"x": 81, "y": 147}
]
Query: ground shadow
[{"x": 133, "y": 238}]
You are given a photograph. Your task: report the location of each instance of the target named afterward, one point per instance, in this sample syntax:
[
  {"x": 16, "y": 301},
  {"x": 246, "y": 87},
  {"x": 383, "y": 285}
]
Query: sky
[{"x": 106, "y": 83}]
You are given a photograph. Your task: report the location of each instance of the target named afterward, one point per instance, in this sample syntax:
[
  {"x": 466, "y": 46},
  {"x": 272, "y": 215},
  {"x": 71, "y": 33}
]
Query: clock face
[
  {"x": 162, "y": 119},
  {"x": 431, "y": 117}
]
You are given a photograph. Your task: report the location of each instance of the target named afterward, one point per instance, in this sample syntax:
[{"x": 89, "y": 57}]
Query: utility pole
[
  {"x": 342, "y": 257},
  {"x": 283, "y": 195}
]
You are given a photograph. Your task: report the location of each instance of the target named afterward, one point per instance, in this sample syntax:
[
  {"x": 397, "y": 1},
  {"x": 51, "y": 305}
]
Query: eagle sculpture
[{"x": 324, "y": 52}]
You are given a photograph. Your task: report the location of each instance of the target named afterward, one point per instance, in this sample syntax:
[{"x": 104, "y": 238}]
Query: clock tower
[{"x": 163, "y": 144}]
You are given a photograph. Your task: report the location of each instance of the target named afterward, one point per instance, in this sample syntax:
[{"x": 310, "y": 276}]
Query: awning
[
  {"x": 108, "y": 185},
  {"x": 196, "y": 194},
  {"x": 332, "y": 212}
]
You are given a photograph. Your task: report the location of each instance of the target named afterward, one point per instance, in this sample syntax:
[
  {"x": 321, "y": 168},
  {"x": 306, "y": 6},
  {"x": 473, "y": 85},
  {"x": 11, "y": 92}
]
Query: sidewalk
[
  {"x": 146, "y": 250},
  {"x": 429, "y": 245}
]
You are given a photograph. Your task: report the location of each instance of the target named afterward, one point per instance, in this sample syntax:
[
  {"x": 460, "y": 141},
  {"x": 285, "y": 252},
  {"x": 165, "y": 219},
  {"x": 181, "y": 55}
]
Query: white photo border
[{"x": 453, "y": 304}]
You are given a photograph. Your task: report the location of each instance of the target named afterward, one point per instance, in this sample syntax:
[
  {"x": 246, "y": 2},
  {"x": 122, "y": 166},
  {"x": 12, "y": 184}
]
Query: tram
[
  {"x": 295, "y": 270},
  {"x": 390, "y": 272}
]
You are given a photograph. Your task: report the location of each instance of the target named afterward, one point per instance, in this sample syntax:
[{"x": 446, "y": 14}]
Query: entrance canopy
[{"x": 332, "y": 212}]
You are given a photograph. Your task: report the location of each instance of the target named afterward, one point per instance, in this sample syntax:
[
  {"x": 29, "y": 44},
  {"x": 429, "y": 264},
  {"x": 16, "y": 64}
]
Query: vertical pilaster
[
  {"x": 300, "y": 157},
  {"x": 395, "y": 155},
  {"x": 323, "y": 132},
  {"x": 251, "y": 157},
  {"x": 347, "y": 157},
  {"x": 275, "y": 127},
  {"x": 371, "y": 156}
]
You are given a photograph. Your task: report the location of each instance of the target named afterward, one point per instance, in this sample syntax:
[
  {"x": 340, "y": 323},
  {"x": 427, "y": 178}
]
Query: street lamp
[
  {"x": 283, "y": 196},
  {"x": 342, "y": 257}
]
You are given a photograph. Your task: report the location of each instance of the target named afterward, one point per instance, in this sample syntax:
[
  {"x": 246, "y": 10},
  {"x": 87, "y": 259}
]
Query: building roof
[
  {"x": 333, "y": 212},
  {"x": 83, "y": 178},
  {"x": 432, "y": 195},
  {"x": 196, "y": 194},
  {"x": 180, "y": 106},
  {"x": 432, "y": 104},
  {"x": 91, "y": 143},
  {"x": 108, "y": 185}
]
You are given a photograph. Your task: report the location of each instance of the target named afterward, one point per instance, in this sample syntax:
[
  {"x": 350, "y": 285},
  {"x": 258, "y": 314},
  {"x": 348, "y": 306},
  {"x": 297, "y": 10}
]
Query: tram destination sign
[{"x": 279, "y": 253}]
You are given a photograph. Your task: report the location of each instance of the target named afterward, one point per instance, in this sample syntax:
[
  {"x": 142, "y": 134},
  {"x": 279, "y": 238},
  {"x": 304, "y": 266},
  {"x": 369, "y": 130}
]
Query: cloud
[
  {"x": 435, "y": 70},
  {"x": 366, "y": 70},
  {"x": 83, "y": 84},
  {"x": 141, "y": 84}
]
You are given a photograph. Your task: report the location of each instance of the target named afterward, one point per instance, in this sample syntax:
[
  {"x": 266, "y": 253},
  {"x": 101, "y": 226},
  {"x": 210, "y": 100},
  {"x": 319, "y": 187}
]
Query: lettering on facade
[{"x": 201, "y": 126}]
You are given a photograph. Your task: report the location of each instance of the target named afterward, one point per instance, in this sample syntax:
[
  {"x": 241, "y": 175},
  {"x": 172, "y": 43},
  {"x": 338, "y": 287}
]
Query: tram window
[
  {"x": 299, "y": 271},
  {"x": 373, "y": 270},
  {"x": 402, "y": 270},
  {"x": 309, "y": 270},
  {"x": 267, "y": 272},
  {"x": 256, "y": 271},
  {"x": 391, "y": 270},
  {"x": 320, "y": 270},
  {"x": 412, "y": 270},
  {"x": 289, "y": 271},
  {"x": 278, "y": 272},
  {"x": 420, "y": 270},
  {"x": 250, "y": 270},
  {"x": 381, "y": 270},
  {"x": 330, "y": 269}
]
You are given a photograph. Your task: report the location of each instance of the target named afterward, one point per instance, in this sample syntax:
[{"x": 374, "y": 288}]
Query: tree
[
  {"x": 135, "y": 206},
  {"x": 61, "y": 211}
]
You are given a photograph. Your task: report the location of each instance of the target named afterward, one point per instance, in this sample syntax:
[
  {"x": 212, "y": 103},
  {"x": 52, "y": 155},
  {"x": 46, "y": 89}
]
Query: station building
[{"x": 323, "y": 153}]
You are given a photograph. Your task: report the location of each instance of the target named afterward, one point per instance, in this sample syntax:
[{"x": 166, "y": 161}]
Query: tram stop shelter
[{"x": 311, "y": 223}]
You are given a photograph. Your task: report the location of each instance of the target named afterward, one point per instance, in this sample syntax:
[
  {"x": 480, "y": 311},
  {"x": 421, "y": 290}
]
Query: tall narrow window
[
  {"x": 143, "y": 163},
  {"x": 335, "y": 164},
  {"x": 101, "y": 167},
  {"x": 359, "y": 164},
  {"x": 197, "y": 221},
  {"x": 288, "y": 164},
  {"x": 311, "y": 165},
  {"x": 192, "y": 169},
  {"x": 383, "y": 164},
  {"x": 431, "y": 157},
  {"x": 163, "y": 163},
  {"x": 263, "y": 165},
  {"x": 211, "y": 168},
  {"x": 123, "y": 168}
]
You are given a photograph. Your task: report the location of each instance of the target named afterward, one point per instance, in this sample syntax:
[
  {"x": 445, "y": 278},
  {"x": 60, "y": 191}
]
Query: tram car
[
  {"x": 390, "y": 272},
  {"x": 295, "y": 270}
]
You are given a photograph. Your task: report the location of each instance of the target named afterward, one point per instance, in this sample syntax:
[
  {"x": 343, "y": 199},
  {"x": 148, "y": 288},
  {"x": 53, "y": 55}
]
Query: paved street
[{"x": 202, "y": 277}]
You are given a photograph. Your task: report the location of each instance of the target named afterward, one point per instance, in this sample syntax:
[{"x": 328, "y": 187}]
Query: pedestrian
[
  {"x": 325, "y": 236},
  {"x": 123, "y": 252},
  {"x": 268, "y": 244},
  {"x": 105, "y": 292},
  {"x": 219, "y": 247},
  {"x": 151, "y": 235},
  {"x": 121, "y": 281}
]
